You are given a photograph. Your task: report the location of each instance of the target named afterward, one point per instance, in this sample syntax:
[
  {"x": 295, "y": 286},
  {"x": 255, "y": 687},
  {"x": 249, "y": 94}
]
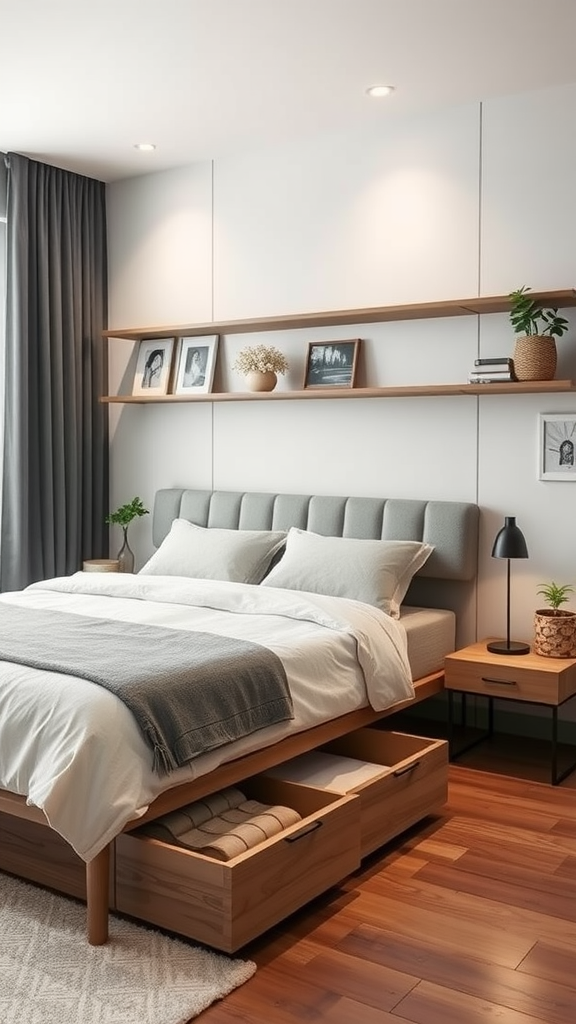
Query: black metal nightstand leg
[{"x": 555, "y": 776}]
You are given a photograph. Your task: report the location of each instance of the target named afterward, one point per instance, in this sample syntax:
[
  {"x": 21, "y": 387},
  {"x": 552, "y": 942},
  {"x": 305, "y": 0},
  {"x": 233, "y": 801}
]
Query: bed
[{"x": 100, "y": 783}]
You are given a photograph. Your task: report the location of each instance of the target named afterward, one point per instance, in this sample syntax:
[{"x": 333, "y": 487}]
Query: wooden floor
[{"x": 469, "y": 919}]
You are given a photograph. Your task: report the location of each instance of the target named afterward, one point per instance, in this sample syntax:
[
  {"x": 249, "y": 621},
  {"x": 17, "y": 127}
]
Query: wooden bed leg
[{"x": 97, "y": 892}]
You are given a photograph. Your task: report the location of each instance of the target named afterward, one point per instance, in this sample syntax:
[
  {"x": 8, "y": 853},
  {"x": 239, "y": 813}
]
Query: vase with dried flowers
[{"x": 260, "y": 365}]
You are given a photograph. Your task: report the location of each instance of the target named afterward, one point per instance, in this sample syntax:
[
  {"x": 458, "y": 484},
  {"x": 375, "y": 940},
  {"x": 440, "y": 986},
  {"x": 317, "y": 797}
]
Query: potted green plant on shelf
[
  {"x": 535, "y": 352},
  {"x": 260, "y": 365},
  {"x": 555, "y": 627},
  {"x": 123, "y": 516}
]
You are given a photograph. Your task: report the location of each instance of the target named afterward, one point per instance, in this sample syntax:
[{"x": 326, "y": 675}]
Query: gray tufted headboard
[{"x": 446, "y": 579}]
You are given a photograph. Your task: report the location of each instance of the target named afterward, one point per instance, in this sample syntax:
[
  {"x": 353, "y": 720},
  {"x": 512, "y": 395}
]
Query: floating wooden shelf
[
  {"x": 371, "y": 315},
  {"x": 377, "y": 314},
  {"x": 532, "y": 387}
]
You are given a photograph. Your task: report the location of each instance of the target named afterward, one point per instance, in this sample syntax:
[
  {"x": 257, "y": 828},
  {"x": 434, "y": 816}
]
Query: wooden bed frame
[
  {"x": 452, "y": 527},
  {"x": 98, "y": 870}
]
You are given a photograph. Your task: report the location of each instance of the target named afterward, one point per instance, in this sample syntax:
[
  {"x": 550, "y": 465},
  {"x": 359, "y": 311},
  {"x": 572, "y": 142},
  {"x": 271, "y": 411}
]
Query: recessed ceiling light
[
  {"x": 144, "y": 147},
  {"x": 379, "y": 90}
]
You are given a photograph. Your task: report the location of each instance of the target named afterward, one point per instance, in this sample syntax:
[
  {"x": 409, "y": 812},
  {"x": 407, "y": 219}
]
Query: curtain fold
[{"x": 55, "y": 478}]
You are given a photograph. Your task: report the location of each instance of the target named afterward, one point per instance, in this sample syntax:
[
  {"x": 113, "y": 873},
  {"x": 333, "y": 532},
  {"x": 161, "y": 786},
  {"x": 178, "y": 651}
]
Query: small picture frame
[
  {"x": 332, "y": 364},
  {"x": 557, "y": 446},
  {"x": 196, "y": 365},
  {"x": 153, "y": 366}
]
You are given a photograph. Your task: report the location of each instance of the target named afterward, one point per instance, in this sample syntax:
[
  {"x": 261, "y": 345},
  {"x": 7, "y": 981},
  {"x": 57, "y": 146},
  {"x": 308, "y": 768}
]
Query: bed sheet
[{"x": 74, "y": 748}]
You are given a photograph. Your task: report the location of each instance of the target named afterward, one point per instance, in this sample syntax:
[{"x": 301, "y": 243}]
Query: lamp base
[{"x": 505, "y": 647}]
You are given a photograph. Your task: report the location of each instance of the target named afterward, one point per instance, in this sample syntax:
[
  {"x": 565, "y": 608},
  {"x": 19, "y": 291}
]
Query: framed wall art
[
  {"x": 557, "y": 446},
  {"x": 332, "y": 364},
  {"x": 196, "y": 365},
  {"x": 153, "y": 366}
]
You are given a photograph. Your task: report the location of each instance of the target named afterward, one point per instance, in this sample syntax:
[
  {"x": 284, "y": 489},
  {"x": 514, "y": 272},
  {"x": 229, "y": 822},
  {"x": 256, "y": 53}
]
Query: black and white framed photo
[
  {"x": 196, "y": 365},
  {"x": 332, "y": 364},
  {"x": 557, "y": 446},
  {"x": 152, "y": 376}
]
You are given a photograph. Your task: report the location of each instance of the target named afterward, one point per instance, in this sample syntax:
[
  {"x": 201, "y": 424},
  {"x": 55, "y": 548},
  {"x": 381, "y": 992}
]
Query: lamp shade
[{"x": 510, "y": 542}]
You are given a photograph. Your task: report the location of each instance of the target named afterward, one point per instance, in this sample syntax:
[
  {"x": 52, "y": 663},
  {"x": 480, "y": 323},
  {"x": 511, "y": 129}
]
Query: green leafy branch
[{"x": 126, "y": 513}]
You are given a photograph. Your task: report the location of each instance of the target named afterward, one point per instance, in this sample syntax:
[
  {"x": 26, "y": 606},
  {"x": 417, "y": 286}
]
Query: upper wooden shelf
[
  {"x": 528, "y": 387},
  {"x": 371, "y": 315}
]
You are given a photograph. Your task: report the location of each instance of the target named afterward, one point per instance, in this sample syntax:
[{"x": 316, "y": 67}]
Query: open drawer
[
  {"x": 412, "y": 782},
  {"x": 226, "y": 904}
]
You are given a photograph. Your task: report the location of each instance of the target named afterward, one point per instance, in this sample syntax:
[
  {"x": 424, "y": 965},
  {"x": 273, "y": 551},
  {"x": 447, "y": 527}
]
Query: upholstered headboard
[{"x": 445, "y": 580}]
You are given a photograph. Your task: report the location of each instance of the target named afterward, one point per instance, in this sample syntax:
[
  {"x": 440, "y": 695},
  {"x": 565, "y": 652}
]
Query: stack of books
[{"x": 492, "y": 371}]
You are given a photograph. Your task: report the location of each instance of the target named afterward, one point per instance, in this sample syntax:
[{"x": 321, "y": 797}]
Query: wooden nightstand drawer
[{"x": 526, "y": 677}]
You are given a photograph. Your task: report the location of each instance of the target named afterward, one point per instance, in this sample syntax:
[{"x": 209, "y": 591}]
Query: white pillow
[
  {"x": 377, "y": 572},
  {"x": 237, "y": 556}
]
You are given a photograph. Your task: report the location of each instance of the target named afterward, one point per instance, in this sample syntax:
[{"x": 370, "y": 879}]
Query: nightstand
[
  {"x": 530, "y": 679},
  {"x": 101, "y": 565}
]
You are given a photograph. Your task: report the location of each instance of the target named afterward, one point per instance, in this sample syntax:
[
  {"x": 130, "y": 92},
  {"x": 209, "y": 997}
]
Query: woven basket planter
[
  {"x": 555, "y": 633},
  {"x": 535, "y": 357}
]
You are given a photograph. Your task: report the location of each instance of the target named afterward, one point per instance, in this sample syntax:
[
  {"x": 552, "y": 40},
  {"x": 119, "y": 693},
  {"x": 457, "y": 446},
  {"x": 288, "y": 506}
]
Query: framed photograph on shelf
[
  {"x": 557, "y": 446},
  {"x": 196, "y": 365},
  {"x": 152, "y": 376},
  {"x": 332, "y": 364}
]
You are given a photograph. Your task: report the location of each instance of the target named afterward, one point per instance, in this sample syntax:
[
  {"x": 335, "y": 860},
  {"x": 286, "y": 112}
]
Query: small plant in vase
[
  {"x": 261, "y": 364},
  {"x": 123, "y": 516},
  {"x": 535, "y": 351},
  {"x": 555, "y": 627}
]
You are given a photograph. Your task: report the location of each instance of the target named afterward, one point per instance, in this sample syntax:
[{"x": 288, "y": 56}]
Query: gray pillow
[
  {"x": 377, "y": 572},
  {"x": 237, "y": 556}
]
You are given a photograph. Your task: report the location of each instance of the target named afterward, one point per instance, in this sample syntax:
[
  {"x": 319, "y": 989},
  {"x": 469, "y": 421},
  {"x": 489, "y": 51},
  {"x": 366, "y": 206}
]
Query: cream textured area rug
[{"x": 50, "y": 975}]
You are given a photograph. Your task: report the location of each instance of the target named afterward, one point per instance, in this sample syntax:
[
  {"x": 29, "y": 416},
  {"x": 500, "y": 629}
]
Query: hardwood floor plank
[
  {"x": 552, "y": 963},
  {"x": 528, "y": 890},
  {"x": 366, "y": 981},
  {"x": 448, "y": 930},
  {"x": 462, "y": 908},
  {"x": 479, "y": 832},
  {"x": 432, "y": 1004},
  {"x": 552, "y": 999},
  {"x": 346, "y": 1011},
  {"x": 567, "y": 869}
]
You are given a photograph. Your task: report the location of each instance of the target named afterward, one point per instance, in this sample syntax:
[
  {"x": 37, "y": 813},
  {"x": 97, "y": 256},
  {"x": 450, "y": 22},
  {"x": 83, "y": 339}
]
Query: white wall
[{"x": 447, "y": 207}]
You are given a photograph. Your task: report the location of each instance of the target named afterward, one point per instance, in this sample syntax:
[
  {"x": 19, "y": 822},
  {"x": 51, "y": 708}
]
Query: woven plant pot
[
  {"x": 555, "y": 633},
  {"x": 535, "y": 357}
]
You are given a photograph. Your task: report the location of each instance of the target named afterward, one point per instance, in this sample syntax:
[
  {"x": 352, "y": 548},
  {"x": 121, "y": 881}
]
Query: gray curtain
[{"x": 55, "y": 476}]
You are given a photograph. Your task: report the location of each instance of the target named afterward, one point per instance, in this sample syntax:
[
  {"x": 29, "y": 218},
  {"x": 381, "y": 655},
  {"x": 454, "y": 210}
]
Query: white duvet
[{"x": 74, "y": 748}]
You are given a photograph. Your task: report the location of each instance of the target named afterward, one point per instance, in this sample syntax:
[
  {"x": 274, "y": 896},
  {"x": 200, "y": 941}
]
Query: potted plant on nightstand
[
  {"x": 555, "y": 627},
  {"x": 123, "y": 516},
  {"x": 535, "y": 351}
]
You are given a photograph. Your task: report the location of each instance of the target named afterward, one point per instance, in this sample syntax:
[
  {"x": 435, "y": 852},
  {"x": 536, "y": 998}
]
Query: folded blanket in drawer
[
  {"x": 189, "y": 691},
  {"x": 242, "y": 826}
]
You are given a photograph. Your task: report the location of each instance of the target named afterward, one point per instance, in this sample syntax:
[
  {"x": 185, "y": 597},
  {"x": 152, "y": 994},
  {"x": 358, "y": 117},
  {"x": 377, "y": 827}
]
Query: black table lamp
[{"x": 509, "y": 544}]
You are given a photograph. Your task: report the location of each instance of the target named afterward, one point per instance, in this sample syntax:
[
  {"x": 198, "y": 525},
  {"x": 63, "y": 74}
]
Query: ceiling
[{"x": 82, "y": 81}]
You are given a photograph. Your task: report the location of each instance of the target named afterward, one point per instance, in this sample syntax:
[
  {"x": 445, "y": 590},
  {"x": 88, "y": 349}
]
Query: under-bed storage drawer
[
  {"x": 226, "y": 904},
  {"x": 412, "y": 782}
]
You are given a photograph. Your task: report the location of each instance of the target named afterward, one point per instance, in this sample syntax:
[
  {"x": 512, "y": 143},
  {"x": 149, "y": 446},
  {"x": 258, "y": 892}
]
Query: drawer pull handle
[
  {"x": 407, "y": 769},
  {"x": 304, "y": 831},
  {"x": 499, "y": 682}
]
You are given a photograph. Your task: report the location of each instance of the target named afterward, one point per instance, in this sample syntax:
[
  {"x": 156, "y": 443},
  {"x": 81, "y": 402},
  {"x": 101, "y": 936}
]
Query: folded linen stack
[{"x": 222, "y": 825}]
